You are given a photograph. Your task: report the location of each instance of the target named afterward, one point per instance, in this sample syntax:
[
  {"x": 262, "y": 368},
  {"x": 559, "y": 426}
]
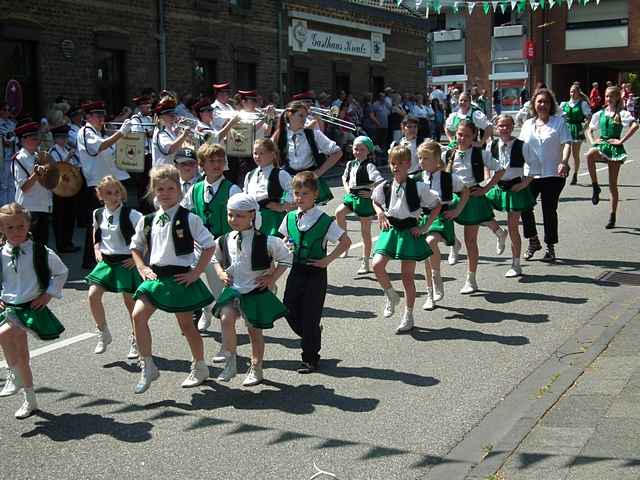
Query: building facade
[
  {"x": 112, "y": 50},
  {"x": 508, "y": 50}
]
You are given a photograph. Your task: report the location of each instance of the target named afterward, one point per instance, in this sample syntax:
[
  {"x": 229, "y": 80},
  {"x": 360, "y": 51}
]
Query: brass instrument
[
  {"x": 327, "y": 115},
  {"x": 70, "y": 181}
]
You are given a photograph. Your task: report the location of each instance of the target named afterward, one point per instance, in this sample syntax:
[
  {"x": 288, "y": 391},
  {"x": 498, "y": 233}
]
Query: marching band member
[
  {"x": 309, "y": 99},
  {"x": 97, "y": 159},
  {"x": 262, "y": 129},
  {"x": 26, "y": 172},
  {"x": 32, "y": 275},
  {"x": 307, "y": 230},
  {"x": 165, "y": 141},
  {"x": 304, "y": 149},
  {"x": 221, "y": 103},
  {"x": 170, "y": 283},
  {"x": 64, "y": 208},
  {"x": 206, "y": 122},
  {"x": 140, "y": 123},
  {"x": 270, "y": 186},
  {"x": 113, "y": 227},
  {"x": 398, "y": 203},
  {"x": 467, "y": 112},
  {"x": 208, "y": 200},
  {"x": 7, "y": 127},
  {"x": 243, "y": 261}
]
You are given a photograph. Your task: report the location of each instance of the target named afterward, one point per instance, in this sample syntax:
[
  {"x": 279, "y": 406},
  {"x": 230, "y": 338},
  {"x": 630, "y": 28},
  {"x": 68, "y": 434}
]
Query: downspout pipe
[{"x": 162, "y": 44}]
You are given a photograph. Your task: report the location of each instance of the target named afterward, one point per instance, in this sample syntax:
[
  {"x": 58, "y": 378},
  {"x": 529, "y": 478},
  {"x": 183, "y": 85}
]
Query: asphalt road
[{"x": 384, "y": 406}]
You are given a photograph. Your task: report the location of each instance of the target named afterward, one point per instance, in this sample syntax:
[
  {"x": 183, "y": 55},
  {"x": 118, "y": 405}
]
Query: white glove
[{"x": 125, "y": 127}]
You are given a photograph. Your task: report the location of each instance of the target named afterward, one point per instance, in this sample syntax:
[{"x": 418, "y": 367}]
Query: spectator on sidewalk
[
  {"x": 595, "y": 100},
  {"x": 381, "y": 111}
]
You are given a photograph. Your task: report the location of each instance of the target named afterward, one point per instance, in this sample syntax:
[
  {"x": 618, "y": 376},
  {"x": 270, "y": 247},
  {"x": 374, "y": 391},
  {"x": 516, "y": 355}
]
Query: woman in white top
[
  {"x": 610, "y": 121},
  {"x": 548, "y": 136}
]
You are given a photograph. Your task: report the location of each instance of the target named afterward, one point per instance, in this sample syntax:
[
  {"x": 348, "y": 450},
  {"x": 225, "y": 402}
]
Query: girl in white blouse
[
  {"x": 610, "y": 121},
  {"x": 32, "y": 275}
]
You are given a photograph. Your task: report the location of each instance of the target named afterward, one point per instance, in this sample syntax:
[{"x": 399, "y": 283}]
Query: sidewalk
[{"x": 593, "y": 431}]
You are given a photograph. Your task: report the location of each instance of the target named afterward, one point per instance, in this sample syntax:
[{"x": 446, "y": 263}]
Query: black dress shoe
[
  {"x": 595, "y": 198},
  {"x": 549, "y": 255},
  {"x": 612, "y": 222},
  {"x": 574, "y": 179},
  {"x": 307, "y": 367},
  {"x": 534, "y": 246}
]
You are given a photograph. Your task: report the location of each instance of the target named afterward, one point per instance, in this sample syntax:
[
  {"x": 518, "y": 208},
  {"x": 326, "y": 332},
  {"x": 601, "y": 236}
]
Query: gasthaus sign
[{"x": 301, "y": 39}]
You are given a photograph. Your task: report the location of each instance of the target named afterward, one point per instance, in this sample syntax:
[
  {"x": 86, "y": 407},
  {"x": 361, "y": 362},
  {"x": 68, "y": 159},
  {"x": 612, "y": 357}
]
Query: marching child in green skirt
[
  {"x": 609, "y": 148},
  {"x": 270, "y": 186},
  {"x": 243, "y": 261},
  {"x": 358, "y": 179},
  {"x": 308, "y": 231},
  {"x": 399, "y": 203},
  {"x": 113, "y": 227},
  {"x": 208, "y": 200},
  {"x": 32, "y": 275},
  {"x": 169, "y": 236},
  {"x": 511, "y": 194},
  {"x": 469, "y": 163},
  {"x": 444, "y": 185}
]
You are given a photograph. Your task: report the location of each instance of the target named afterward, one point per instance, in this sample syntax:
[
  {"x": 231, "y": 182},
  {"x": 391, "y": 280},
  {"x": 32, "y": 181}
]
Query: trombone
[{"x": 327, "y": 115}]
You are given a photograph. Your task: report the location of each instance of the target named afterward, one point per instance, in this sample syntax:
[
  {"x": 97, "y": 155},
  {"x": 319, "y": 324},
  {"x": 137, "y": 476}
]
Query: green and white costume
[
  {"x": 360, "y": 176},
  {"x": 246, "y": 256},
  {"x": 28, "y": 270},
  {"x": 269, "y": 184},
  {"x": 514, "y": 156},
  {"x": 575, "y": 114},
  {"x": 170, "y": 237},
  {"x": 113, "y": 231},
  {"x": 403, "y": 204},
  {"x": 469, "y": 165},
  {"x": 474, "y": 114},
  {"x": 611, "y": 128},
  {"x": 444, "y": 185}
]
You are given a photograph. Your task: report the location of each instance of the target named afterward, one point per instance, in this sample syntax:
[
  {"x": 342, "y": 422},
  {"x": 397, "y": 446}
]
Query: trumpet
[
  {"x": 117, "y": 125},
  {"x": 327, "y": 115}
]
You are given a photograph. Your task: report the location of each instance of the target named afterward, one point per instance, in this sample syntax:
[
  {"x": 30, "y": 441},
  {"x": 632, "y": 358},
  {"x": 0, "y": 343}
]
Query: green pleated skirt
[
  {"x": 362, "y": 207},
  {"x": 615, "y": 153},
  {"x": 41, "y": 322},
  {"x": 508, "y": 201},
  {"x": 114, "y": 277},
  {"x": 477, "y": 210},
  {"x": 401, "y": 245},
  {"x": 271, "y": 221},
  {"x": 260, "y": 309},
  {"x": 442, "y": 226},
  {"x": 324, "y": 192},
  {"x": 166, "y": 294},
  {"x": 577, "y": 132}
]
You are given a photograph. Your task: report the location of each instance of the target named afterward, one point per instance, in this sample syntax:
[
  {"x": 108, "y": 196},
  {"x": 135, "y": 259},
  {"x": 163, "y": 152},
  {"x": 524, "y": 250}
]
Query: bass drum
[{"x": 70, "y": 181}]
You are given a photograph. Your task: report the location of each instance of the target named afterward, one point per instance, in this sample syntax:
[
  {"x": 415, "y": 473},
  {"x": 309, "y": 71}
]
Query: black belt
[
  {"x": 169, "y": 270},
  {"x": 307, "y": 269},
  {"x": 115, "y": 259},
  {"x": 508, "y": 184},
  {"x": 403, "y": 223},
  {"x": 356, "y": 190}
]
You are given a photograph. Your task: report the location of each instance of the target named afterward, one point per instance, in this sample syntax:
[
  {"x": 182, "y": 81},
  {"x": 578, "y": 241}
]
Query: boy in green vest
[
  {"x": 307, "y": 231},
  {"x": 208, "y": 200}
]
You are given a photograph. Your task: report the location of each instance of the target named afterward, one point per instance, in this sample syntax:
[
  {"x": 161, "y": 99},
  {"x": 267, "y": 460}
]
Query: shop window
[
  {"x": 511, "y": 67},
  {"x": 377, "y": 85},
  {"x": 246, "y": 76},
  {"x": 110, "y": 79},
  {"x": 204, "y": 75},
  {"x": 447, "y": 71},
  {"x": 343, "y": 82},
  {"x": 300, "y": 80},
  {"x": 18, "y": 60},
  {"x": 607, "y": 13}
]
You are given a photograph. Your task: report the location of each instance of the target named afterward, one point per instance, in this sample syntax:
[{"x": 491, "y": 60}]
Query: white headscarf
[{"x": 245, "y": 203}]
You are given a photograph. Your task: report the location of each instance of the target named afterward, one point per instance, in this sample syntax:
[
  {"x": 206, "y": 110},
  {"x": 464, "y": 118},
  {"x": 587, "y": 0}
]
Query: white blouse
[
  {"x": 504, "y": 158},
  {"x": 546, "y": 142},
  {"x": 37, "y": 198},
  {"x": 160, "y": 145},
  {"x": 434, "y": 182},
  {"x": 398, "y": 207},
  {"x": 625, "y": 117},
  {"x": 374, "y": 175},
  {"x": 96, "y": 164},
  {"x": 256, "y": 183},
  {"x": 242, "y": 275},
  {"x": 462, "y": 165},
  {"x": 113, "y": 242},
  {"x": 163, "y": 252},
  {"x": 299, "y": 153},
  {"x": 22, "y": 286}
]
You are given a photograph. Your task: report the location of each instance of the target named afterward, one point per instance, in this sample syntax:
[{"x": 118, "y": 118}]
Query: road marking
[
  {"x": 56, "y": 346},
  {"x": 604, "y": 168}
]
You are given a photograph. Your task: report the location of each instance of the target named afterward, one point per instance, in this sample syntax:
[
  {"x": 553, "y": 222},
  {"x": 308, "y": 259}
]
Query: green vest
[
  {"x": 308, "y": 245},
  {"x": 573, "y": 114},
  {"x": 214, "y": 213},
  {"x": 457, "y": 119},
  {"x": 608, "y": 127}
]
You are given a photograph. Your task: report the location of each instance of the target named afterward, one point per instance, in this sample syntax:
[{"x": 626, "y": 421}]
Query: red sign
[{"x": 530, "y": 50}]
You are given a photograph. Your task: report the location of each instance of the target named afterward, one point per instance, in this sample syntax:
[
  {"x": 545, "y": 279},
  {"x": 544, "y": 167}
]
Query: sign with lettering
[{"x": 302, "y": 39}]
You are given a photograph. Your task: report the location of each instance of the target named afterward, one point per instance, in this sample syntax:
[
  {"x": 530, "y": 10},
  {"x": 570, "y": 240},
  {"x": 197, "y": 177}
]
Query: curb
[{"x": 504, "y": 428}]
